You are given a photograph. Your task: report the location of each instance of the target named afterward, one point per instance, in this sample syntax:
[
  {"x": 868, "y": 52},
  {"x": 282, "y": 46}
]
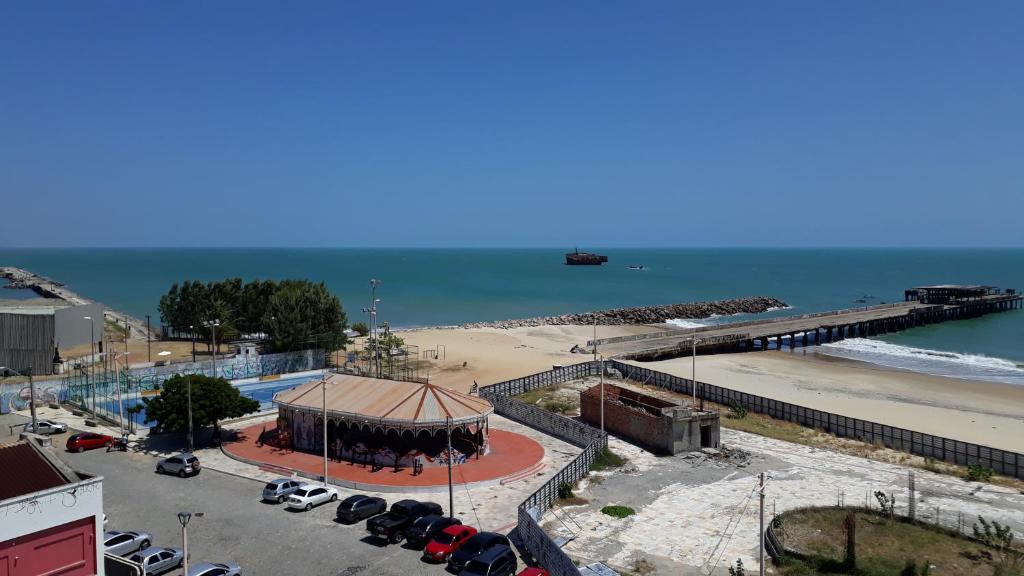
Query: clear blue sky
[{"x": 511, "y": 123}]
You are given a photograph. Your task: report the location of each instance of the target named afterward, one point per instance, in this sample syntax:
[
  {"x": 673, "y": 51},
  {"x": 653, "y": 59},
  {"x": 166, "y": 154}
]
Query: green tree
[
  {"x": 305, "y": 315},
  {"x": 213, "y": 399},
  {"x": 361, "y": 328}
]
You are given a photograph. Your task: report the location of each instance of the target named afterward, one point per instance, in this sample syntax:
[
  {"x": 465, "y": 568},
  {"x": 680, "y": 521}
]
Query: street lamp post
[
  {"x": 188, "y": 383},
  {"x": 602, "y": 392},
  {"x": 149, "y": 350},
  {"x": 212, "y": 325},
  {"x": 92, "y": 357},
  {"x": 323, "y": 384},
  {"x": 192, "y": 333},
  {"x": 183, "y": 518},
  {"x": 372, "y": 311}
]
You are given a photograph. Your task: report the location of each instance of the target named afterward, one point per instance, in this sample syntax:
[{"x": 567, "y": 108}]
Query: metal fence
[
  {"x": 944, "y": 449},
  {"x": 528, "y": 535}
]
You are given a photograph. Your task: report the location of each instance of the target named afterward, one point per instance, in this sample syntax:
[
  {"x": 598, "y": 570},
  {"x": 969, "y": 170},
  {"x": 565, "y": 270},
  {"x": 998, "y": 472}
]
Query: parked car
[
  {"x": 156, "y": 560},
  {"x": 448, "y": 541},
  {"x": 44, "y": 426},
  {"x": 357, "y": 507},
  {"x": 475, "y": 546},
  {"x": 533, "y": 571},
  {"x": 210, "y": 569},
  {"x": 278, "y": 490},
  {"x": 393, "y": 525},
  {"x": 424, "y": 529},
  {"x": 495, "y": 561},
  {"x": 309, "y": 495},
  {"x": 183, "y": 465},
  {"x": 123, "y": 543},
  {"x": 87, "y": 441}
]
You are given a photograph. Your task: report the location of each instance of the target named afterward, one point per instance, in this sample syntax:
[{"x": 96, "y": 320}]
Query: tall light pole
[
  {"x": 120, "y": 405},
  {"x": 92, "y": 357},
  {"x": 192, "y": 332},
  {"x": 323, "y": 384},
  {"x": 183, "y": 518},
  {"x": 372, "y": 311},
  {"x": 451, "y": 492},
  {"x": 188, "y": 383},
  {"x": 602, "y": 392},
  {"x": 760, "y": 539},
  {"x": 149, "y": 349},
  {"x": 212, "y": 325},
  {"x": 693, "y": 372}
]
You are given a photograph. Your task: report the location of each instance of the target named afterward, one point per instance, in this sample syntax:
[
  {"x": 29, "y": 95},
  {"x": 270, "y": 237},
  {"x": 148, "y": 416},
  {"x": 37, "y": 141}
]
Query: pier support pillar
[{"x": 805, "y": 339}]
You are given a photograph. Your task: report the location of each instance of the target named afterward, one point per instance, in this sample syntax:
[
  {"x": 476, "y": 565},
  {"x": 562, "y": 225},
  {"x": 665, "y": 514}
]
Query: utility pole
[
  {"x": 192, "y": 332},
  {"x": 760, "y": 538},
  {"x": 451, "y": 493},
  {"x": 92, "y": 356},
  {"x": 149, "y": 349},
  {"x": 372, "y": 311},
  {"x": 595, "y": 339}
]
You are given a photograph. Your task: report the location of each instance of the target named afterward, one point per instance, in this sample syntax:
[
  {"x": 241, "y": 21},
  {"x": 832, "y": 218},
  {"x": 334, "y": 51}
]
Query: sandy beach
[{"x": 986, "y": 413}]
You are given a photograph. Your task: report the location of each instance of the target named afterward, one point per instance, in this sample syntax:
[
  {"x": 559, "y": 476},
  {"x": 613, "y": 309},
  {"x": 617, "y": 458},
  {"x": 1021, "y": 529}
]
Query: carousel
[{"x": 382, "y": 422}]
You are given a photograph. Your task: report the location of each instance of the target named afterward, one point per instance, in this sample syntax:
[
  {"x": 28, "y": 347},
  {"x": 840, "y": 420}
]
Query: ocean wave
[
  {"x": 684, "y": 323},
  {"x": 936, "y": 362}
]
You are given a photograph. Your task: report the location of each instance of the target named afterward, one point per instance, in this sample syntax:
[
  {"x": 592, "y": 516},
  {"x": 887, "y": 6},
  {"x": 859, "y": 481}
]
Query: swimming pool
[{"x": 262, "y": 391}]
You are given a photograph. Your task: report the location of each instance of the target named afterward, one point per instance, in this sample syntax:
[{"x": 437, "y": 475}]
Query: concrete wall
[
  {"x": 46, "y": 509},
  {"x": 72, "y": 329}
]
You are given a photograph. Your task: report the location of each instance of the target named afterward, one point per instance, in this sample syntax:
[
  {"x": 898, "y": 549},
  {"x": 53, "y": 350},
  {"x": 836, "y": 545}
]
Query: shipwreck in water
[{"x": 577, "y": 258}]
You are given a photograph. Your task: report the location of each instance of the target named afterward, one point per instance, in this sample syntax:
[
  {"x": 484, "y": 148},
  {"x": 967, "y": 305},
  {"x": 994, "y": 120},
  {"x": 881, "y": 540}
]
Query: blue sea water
[{"x": 429, "y": 287}]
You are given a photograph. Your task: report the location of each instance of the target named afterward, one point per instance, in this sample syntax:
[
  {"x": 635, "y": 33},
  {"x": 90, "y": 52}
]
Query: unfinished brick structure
[{"x": 658, "y": 425}]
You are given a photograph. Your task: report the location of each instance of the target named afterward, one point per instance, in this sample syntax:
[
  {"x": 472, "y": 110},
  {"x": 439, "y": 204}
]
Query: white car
[
  {"x": 44, "y": 426},
  {"x": 309, "y": 495}
]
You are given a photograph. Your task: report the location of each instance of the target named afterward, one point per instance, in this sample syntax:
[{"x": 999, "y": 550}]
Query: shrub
[
  {"x": 607, "y": 459},
  {"x": 737, "y": 410},
  {"x": 565, "y": 491},
  {"x": 978, "y": 473},
  {"x": 361, "y": 328},
  {"x": 618, "y": 511},
  {"x": 993, "y": 534},
  {"x": 737, "y": 570}
]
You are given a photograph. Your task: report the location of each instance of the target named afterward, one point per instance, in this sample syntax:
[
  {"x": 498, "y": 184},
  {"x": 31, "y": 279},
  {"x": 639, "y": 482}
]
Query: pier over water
[{"x": 923, "y": 305}]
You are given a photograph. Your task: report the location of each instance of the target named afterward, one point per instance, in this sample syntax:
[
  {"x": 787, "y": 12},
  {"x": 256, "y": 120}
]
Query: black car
[
  {"x": 359, "y": 507},
  {"x": 394, "y": 525},
  {"x": 495, "y": 561},
  {"x": 424, "y": 529},
  {"x": 474, "y": 547}
]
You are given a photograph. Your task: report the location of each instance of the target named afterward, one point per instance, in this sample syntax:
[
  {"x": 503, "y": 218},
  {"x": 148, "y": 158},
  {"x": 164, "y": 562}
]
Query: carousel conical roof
[{"x": 395, "y": 402}]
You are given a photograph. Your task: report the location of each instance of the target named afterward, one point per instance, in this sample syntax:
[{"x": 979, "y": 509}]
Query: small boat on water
[
  {"x": 578, "y": 258},
  {"x": 638, "y": 267}
]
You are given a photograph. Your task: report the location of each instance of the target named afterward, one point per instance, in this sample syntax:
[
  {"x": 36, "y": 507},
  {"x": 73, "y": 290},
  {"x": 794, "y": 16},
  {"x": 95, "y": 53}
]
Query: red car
[
  {"x": 448, "y": 541},
  {"x": 531, "y": 571},
  {"x": 87, "y": 441}
]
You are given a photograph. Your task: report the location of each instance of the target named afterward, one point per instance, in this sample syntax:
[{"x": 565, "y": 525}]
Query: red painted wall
[{"x": 65, "y": 550}]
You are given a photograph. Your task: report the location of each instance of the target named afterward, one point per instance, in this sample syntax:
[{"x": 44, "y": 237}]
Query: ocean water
[{"x": 431, "y": 287}]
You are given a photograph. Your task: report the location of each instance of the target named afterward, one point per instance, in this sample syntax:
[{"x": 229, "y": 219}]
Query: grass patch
[
  {"x": 884, "y": 546},
  {"x": 606, "y": 460},
  {"x": 618, "y": 511}
]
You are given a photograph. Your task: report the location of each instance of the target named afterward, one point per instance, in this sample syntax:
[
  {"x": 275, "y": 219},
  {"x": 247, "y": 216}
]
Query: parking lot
[{"x": 236, "y": 525}]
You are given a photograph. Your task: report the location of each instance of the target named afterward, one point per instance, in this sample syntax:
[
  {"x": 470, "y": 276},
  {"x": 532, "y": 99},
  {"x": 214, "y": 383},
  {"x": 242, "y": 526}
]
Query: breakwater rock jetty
[{"x": 645, "y": 314}]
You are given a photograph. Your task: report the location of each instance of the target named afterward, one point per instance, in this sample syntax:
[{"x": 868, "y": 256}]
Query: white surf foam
[
  {"x": 684, "y": 323},
  {"x": 936, "y": 362}
]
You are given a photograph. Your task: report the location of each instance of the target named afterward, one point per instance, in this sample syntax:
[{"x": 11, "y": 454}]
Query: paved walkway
[
  {"x": 696, "y": 511},
  {"x": 510, "y": 455}
]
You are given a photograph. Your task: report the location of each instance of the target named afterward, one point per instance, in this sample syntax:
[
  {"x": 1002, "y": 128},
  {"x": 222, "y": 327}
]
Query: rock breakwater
[{"x": 645, "y": 314}]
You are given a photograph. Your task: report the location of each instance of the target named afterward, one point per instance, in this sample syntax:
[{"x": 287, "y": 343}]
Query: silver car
[
  {"x": 156, "y": 560},
  {"x": 122, "y": 543},
  {"x": 208, "y": 569},
  {"x": 278, "y": 490},
  {"x": 44, "y": 426},
  {"x": 183, "y": 464}
]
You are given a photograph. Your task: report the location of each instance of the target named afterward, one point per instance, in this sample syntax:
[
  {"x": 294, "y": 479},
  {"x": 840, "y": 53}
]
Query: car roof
[
  {"x": 185, "y": 454},
  {"x": 111, "y": 534},
  {"x": 491, "y": 553},
  {"x": 309, "y": 486},
  {"x": 455, "y": 529},
  {"x": 356, "y": 498},
  {"x": 150, "y": 551},
  {"x": 279, "y": 480}
]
